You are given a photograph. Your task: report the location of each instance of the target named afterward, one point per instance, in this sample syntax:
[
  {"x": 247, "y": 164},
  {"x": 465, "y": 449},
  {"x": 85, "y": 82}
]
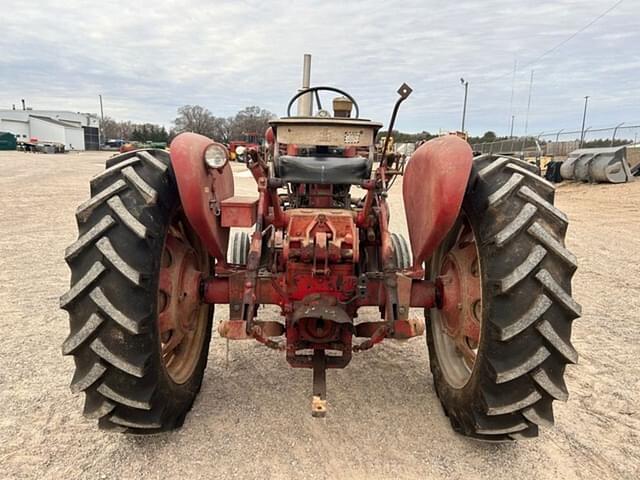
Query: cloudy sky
[{"x": 147, "y": 58}]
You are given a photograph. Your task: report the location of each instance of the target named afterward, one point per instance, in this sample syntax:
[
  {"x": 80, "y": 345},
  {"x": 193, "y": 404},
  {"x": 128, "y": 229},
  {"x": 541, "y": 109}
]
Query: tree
[
  {"x": 197, "y": 119},
  {"x": 402, "y": 137},
  {"x": 221, "y": 129},
  {"x": 251, "y": 121},
  {"x": 109, "y": 129},
  {"x": 142, "y": 132},
  {"x": 489, "y": 136}
]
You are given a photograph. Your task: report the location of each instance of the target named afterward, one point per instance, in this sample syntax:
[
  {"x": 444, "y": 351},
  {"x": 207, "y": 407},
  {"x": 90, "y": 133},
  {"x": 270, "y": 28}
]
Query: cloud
[{"x": 148, "y": 58}]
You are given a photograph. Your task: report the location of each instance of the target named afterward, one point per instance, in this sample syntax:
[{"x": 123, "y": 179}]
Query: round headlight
[{"x": 215, "y": 156}]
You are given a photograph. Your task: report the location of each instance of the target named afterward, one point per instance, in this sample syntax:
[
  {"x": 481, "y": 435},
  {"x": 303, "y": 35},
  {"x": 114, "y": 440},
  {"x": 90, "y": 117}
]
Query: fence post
[
  {"x": 538, "y": 152},
  {"x": 615, "y": 130},
  {"x": 584, "y": 136}
]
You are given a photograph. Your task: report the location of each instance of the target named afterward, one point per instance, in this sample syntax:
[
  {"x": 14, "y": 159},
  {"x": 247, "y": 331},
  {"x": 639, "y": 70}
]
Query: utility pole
[
  {"x": 464, "y": 108},
  {"x": 513, "y": 87},
  {"x": 526, "y": 121},
  {"x": 100, "y": 132},
  {"x": 584, "y": 118}
]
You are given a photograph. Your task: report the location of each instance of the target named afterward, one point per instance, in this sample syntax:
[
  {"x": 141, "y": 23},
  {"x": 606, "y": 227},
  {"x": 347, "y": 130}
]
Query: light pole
[
  {"x": 464, "y": 108},
  {"x": 513, "y": 117},
  {"x": 584, "y": 118}
]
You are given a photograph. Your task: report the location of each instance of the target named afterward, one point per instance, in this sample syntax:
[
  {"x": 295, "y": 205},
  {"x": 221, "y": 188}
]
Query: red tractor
[{"x": 486, "y": 261}]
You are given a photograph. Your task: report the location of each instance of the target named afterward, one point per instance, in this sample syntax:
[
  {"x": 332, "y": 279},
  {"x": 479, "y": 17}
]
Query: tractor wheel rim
[
  {"x": 457, "y": 324},
  {"x": 182, "y": 318}
]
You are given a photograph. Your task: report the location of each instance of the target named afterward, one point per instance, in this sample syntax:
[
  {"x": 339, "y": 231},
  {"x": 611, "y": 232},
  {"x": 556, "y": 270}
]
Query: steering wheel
[{"x": 318, "y": 89}]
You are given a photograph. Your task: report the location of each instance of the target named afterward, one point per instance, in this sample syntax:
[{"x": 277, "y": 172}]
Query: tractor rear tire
[
  {"x": 130, "y": 383},
  {"x": 526, "y": 307}
]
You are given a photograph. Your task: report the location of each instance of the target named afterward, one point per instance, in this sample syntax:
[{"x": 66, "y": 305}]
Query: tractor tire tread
[
  {"x": 113, "y": 335},
  {"x": 527, "y": 273}
]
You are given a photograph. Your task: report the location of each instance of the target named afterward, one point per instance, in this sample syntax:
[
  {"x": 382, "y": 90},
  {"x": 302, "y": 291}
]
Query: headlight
[{"x": 215, "y": 156}]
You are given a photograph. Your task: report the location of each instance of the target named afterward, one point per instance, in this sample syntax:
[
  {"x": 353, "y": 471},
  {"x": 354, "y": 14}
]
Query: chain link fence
[{"x": 560, "y": 143}]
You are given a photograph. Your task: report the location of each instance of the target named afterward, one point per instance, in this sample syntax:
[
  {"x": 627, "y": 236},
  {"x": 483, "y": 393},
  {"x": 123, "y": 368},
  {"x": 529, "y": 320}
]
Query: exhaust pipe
[{"x": 305, "y": 104}]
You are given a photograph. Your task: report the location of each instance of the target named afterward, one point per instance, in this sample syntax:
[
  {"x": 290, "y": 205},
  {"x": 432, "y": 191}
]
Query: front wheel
[
  {"x": 499, "y": 338},
  {"x": 139, "y": 336}
]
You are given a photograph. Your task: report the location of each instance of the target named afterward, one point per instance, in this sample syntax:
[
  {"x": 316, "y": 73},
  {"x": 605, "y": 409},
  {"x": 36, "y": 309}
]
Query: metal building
[{"x": 77, "y": 131}]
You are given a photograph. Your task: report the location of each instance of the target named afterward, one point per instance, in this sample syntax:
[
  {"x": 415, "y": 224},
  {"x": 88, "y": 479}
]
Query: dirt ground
[{"x": 252, "y": 417}]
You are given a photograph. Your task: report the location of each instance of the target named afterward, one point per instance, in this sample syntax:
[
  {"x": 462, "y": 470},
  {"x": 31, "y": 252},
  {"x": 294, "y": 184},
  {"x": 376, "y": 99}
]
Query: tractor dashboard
[{"x": 322, "y": 131}]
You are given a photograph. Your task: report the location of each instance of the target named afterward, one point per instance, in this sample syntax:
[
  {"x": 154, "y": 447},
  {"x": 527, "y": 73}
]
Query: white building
[{"x": 77, "y": 131}]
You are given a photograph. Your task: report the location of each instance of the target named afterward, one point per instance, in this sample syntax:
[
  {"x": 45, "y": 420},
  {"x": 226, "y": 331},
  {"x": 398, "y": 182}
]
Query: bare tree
[
  {"x": 250, "y": 122},
  {"x": 222, "y": 129},
  {"x": 112, "y": 129},
  {"x": 197, "y": 119}
]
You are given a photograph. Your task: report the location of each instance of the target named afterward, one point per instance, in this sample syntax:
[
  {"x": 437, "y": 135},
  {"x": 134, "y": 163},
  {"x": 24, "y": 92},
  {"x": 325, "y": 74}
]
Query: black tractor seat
[{"x": 323, "y": 169}]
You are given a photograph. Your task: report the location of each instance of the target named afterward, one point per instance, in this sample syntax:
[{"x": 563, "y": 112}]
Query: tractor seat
[{"x": 323, "y": 169}]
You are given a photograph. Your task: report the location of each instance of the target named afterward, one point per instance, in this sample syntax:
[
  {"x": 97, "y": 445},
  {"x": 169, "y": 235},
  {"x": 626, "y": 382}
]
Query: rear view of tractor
[{"x": 485, "y": 259}]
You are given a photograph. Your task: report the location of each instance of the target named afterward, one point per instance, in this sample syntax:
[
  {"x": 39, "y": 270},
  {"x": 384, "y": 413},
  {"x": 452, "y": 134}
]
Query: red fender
[
  {"x": 201, "y": 191},
  {"x": 433, "y": 188}
]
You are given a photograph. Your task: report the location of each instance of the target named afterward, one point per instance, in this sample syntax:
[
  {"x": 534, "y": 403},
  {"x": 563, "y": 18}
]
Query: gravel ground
[{"x": 252, "y": 417}]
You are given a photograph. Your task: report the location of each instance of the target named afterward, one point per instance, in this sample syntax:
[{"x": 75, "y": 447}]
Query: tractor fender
[
  {"x": 201, "y": 191},
  {"x": 434, "y": 183}
]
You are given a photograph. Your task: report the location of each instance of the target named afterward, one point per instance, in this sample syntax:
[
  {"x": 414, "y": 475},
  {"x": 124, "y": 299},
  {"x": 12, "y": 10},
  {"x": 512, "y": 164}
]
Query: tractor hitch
[{"x": 319, "y": 399}]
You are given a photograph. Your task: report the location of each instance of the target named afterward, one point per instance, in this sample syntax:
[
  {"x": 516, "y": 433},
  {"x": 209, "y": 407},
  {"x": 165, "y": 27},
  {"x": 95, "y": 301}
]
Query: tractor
[{"x": 162, "y": 240}]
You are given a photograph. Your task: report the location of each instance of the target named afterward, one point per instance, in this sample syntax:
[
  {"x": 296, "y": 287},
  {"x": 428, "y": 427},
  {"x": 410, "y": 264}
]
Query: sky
[{"x": 147, "y": 58}]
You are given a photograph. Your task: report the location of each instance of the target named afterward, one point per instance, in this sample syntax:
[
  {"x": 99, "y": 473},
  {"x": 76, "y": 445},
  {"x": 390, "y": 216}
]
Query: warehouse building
[{"x": 77, "y": 131}]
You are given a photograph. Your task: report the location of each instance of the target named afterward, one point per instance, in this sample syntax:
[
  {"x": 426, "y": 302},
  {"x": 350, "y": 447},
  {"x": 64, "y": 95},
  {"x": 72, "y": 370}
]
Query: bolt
[
  {"x": 477, "y": 310},
  {"x": 475, "y": 271},
  {"x": 459, "y": 306}
]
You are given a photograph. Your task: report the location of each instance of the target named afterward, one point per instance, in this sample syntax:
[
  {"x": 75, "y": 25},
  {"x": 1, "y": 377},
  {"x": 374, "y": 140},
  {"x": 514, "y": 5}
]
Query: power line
[
  {"x": 575, "y": 34},
  {"x": 557, "y": 46}
]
